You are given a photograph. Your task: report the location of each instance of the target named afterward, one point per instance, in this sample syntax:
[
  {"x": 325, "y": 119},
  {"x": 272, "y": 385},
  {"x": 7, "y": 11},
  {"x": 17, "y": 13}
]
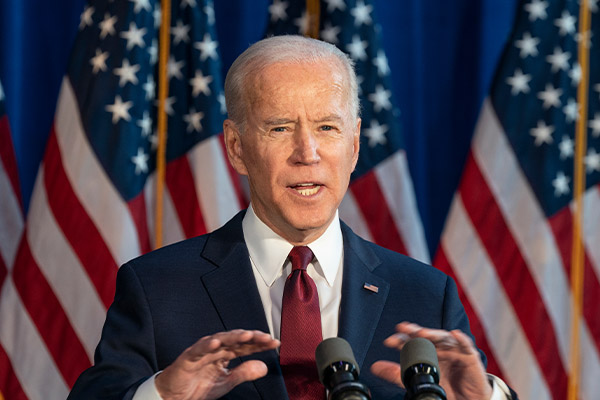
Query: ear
[
  {"x": 356, "y": 144},
  {"x": 233, "y": 143}
]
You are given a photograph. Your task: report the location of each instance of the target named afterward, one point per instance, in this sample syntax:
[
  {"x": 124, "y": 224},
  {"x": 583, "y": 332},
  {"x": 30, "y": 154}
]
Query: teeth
[{"x": 308, "y": 192}]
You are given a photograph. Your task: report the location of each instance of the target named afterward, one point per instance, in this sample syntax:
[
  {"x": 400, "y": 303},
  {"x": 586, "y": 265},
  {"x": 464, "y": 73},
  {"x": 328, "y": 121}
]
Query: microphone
[
  {"x": 338, "y": 371},
  {"x": 420, "y": 371}
]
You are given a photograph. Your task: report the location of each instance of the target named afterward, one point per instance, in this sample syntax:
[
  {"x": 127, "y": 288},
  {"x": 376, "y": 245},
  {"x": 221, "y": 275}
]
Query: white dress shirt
[{"x": 268, "y": 256}]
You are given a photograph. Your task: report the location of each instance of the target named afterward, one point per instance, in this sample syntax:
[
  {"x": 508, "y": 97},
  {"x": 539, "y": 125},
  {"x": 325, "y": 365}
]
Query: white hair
[{"x": 289, "y": 49}]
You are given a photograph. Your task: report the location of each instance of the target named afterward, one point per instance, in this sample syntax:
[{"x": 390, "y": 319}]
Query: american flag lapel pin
[{"x": 371, "y": 287}]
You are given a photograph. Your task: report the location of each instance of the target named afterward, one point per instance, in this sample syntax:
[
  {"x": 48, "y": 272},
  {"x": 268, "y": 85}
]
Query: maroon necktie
[{"x": 300, "y": 330}]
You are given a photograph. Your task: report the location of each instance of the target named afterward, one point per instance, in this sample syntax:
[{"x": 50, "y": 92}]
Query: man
[{"x": 293, "y": 130}]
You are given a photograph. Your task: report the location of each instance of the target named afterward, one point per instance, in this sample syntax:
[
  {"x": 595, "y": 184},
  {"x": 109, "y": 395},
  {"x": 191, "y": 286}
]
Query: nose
[{"x": 306, "y": 147}]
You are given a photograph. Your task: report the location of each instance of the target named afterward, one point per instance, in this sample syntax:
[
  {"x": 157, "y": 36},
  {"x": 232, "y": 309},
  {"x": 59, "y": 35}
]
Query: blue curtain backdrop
[{"x": 442, "y": 55}]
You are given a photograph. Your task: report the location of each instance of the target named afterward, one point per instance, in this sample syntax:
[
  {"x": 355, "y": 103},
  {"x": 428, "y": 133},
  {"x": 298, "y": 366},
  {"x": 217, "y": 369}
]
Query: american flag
[
  {"x": 94, "y": 197},
  {"x": 380, "y": 204},
  {"x": 11, "y": 229},
  {"x": 509, "y": 234}
]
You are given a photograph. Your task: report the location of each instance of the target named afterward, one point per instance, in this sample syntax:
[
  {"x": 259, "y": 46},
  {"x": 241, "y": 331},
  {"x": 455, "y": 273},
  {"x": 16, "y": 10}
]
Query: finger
[
  {"x": 248, "y": 371},
  {"x": 442, "y": 339},
  {"x": 390, "y": 371}
]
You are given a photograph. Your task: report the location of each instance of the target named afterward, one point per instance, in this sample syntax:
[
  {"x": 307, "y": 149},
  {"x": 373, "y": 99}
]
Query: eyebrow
[
  {"x": 278, "y": 121},
  {"x": 283, "y": 121}
]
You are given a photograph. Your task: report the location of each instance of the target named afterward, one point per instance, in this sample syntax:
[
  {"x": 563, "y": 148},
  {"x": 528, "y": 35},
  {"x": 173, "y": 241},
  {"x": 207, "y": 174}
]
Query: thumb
[
  {"x": 390, "y": 371},
  {"x": 247, "y": 371}
]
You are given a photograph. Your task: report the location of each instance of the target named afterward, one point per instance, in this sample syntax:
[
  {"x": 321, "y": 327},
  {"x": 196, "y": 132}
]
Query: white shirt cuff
[
  {"x": 147, "y": 390},
  {"x": 499, "y": 389}
]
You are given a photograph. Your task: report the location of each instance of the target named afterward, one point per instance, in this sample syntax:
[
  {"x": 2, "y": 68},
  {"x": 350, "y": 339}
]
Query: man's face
[{"x": 299, "y": 146}]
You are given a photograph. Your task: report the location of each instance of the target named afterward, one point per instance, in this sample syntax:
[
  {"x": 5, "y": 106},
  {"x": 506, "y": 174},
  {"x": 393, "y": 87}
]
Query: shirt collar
[{"x": 269, "y": 251}]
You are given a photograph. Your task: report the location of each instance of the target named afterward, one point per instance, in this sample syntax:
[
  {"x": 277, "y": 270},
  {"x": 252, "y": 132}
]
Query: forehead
[{"x": 284, "y": 84}]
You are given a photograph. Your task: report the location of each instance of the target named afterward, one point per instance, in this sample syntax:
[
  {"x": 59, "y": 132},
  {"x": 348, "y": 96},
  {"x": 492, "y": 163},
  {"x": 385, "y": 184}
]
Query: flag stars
[
  {"x": 153, "y": 52},
  {"x": 180, "y": 33},
  {"x": 98, "y": 62},
  {"x": 559, "y": 60},
  {"x": 222, "y": 103},
  {"x": 207, "y": 47},
  {"x": 107, "y": 25},
  {"x": 149, "y": 87},
  {"x": 381, "y": 99},
  {"x": 592, "y": 4},
  {"x": 134, "y": 36},
  {"x": 571, "y": 110},
  {"x": 566, "y": 148},
  {"x": 376, "y": 133},
  {"x": 169, "y": 101},
  {"x": 187, "y": 3},
  {"x": 550, "y": 96},
  {"x": 156, "y": 16},
  {"x": 200, "y": 84},
  {"x": 357, "y": 48},
  {"x": 595, "y": 125},
  {"x": 561, "y": 184},
  {"x": 566, "y": 23},
  {"x": 527, "y": 45},
  {"x": 140, "y": 5},
  {"x": 592, "y": 161},
  {"x": 153, "y": 140},
  {"x": 542, "y": 133},
  {"x": 362, "y": 13},
  {"x": 302, "y": 23},
  {"x": 210, "y": 13},
  {"x": 575, "y": 74},
  {"x": 146, "y": 124},
  {"x": 585, "y": 37},
  {"x": 536, "y": 10},
  {"x": 174, "y": 68},
  {"x": 140, "y": 160},
  {"x": 193, "y": 119},
  {"x": 119, "y": 110},
  {"x": 381, "y": 63},
  {"x": 333, "y": 5},
  {"x": 127, "y": 73},
  {"x": 277, "y": 10},
  {"x": 86, "y": 17},
  {"x": 519, "y": 82},
  {"x": 330, "y": 33}
]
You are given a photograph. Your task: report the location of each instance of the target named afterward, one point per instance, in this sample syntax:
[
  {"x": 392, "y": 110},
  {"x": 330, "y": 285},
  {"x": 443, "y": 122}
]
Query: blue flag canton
[
  {"x": 114, "y": 73},
  {"x": 535, "y": 97},
  {"x": 351, "y": 26}
]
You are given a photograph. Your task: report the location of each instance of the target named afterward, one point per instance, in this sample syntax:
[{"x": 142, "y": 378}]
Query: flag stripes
[
  {"x": 80, "y": 234},
  {"x": 528, "y": 257}
]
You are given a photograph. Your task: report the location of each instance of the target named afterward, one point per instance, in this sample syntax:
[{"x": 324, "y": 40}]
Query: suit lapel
[
  {"x": 360, "y": 308},
  {"x": 232, "y": 288}
]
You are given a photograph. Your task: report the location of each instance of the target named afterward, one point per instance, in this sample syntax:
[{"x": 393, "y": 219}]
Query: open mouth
[{"x": 307, "y": 189}]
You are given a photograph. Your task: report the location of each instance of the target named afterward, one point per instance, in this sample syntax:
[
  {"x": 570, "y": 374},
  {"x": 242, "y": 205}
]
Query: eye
[
  {"x": 327, "y": 128},
  {"x": 279, "y": 129}
]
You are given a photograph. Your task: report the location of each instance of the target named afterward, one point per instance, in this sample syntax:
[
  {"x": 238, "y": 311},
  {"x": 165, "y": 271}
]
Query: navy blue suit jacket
[{"x": 166, "y": 300}]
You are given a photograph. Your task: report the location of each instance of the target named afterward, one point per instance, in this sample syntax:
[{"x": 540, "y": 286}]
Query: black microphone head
[
  {"x": 331, "y": 351},
  {"x": 418, "y": 351}
]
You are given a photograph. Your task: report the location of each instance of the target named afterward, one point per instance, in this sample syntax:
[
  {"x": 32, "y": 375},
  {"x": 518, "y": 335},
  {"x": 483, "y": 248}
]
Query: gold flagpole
[
  {"x": 163, "y": 92},
  {"x": 313, "y": 13},
  {"x": 577, "y": 253}
]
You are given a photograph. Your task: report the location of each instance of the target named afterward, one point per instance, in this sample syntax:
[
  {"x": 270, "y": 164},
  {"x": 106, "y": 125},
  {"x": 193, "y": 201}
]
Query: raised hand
[
  {"x": 201, "y": 373},
  {"x": 462, "y": 373}
]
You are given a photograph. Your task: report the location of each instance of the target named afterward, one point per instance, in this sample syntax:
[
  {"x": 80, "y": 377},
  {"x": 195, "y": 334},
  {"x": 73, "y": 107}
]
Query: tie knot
[{"x": 300, "y": 257}]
